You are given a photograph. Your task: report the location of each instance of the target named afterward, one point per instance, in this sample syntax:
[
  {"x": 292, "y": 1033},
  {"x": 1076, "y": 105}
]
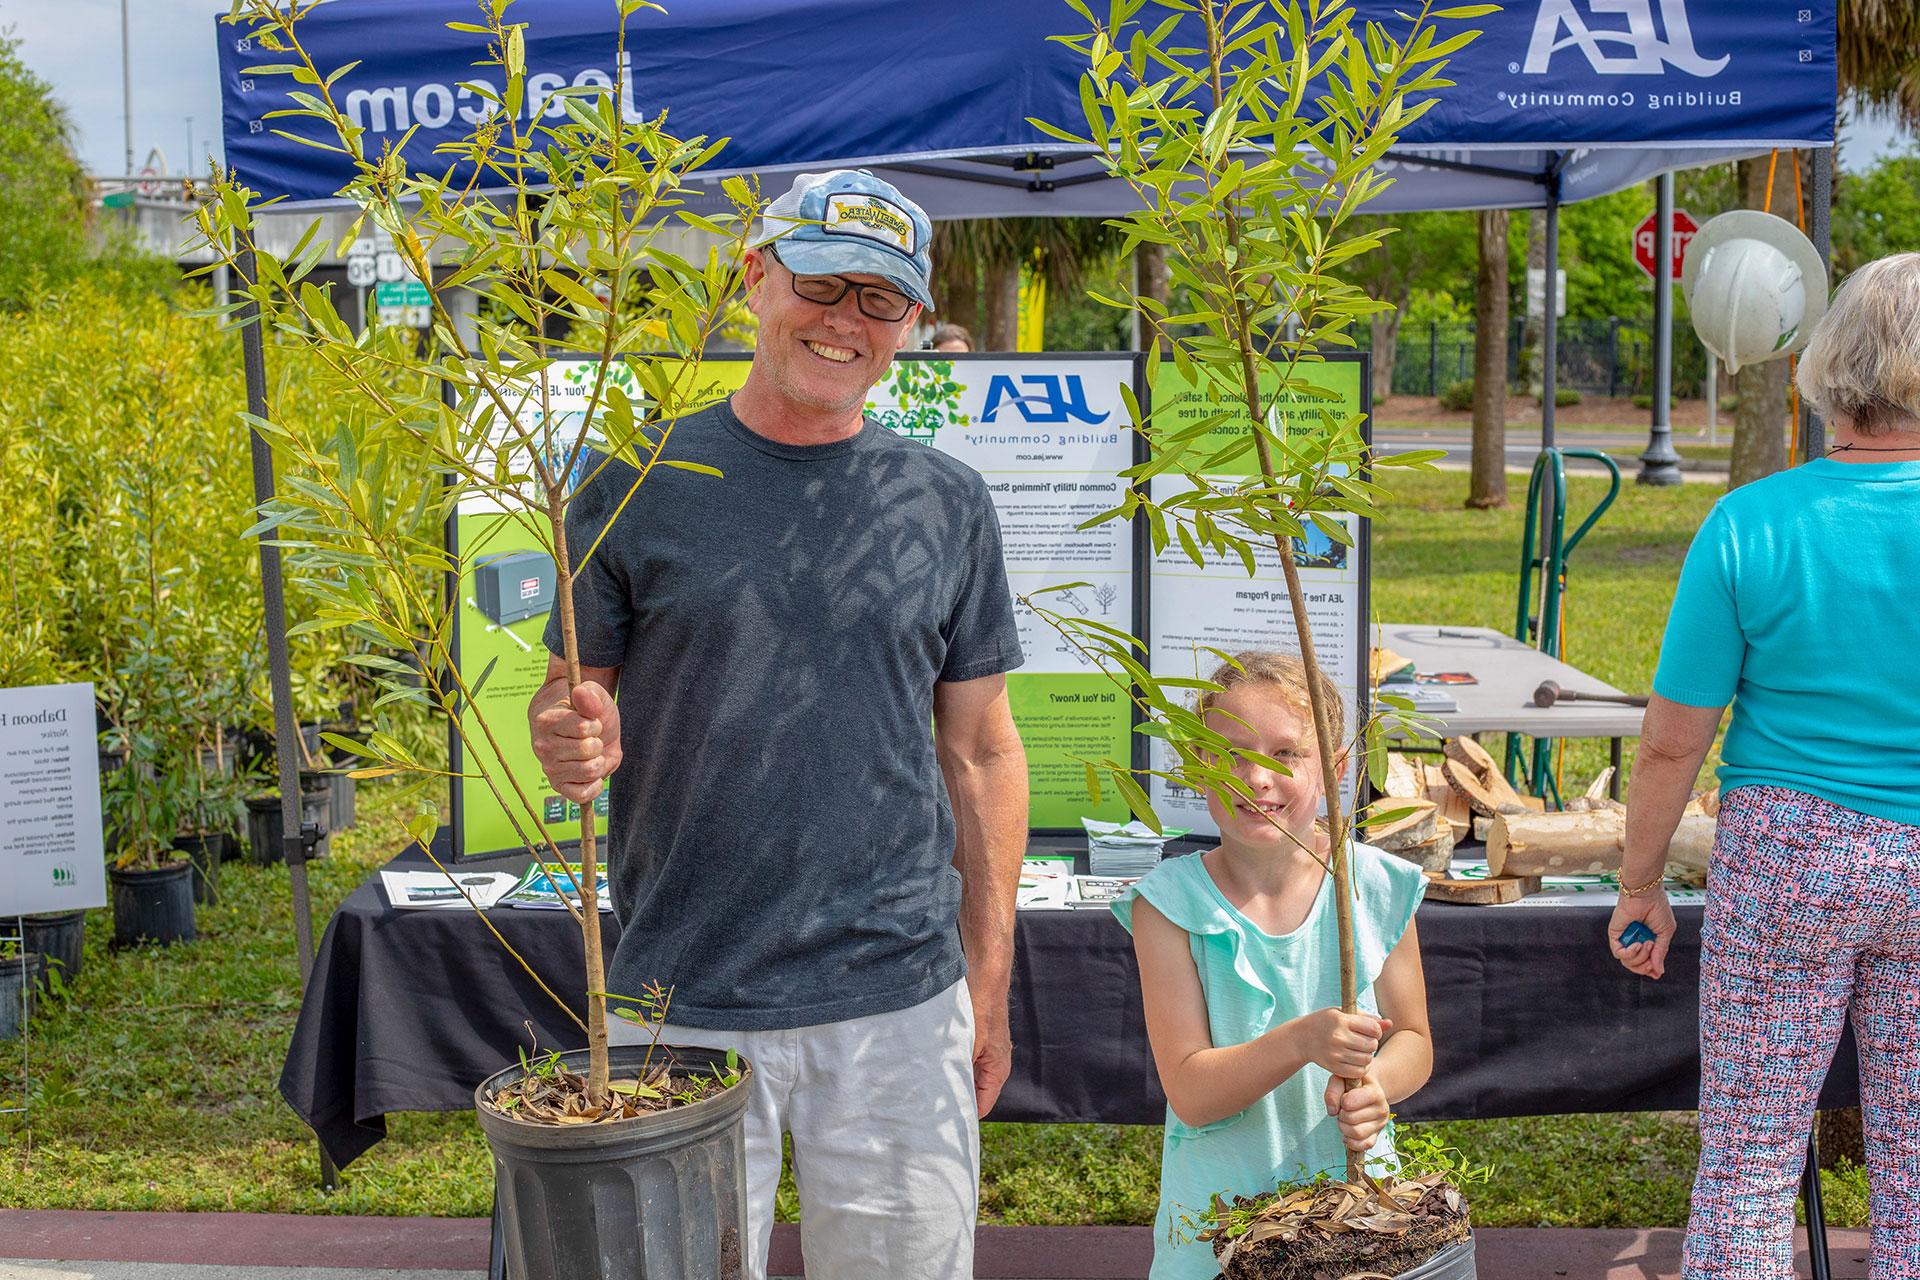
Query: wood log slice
[
  {"x": 1403, "y": 780},
  {"x": 1416, "y": 828},
  {"x": 1479, "y": 795},
  {"x": 1469, "y": 752},
  {"x": 1488, "y": 891}
]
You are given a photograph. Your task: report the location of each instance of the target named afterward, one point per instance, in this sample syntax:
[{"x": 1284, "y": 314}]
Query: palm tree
[
  {"x": 1879, "y": 57},
  {"x": 977, "y": 264}
]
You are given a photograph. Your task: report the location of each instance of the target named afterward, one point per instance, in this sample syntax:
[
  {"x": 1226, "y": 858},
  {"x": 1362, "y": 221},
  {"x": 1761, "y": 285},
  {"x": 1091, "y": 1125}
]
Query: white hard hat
[{"x": 1754, "y": 285}]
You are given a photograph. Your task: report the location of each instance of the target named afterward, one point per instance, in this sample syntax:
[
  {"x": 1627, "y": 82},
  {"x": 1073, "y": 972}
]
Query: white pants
[{"x": 886, "y": 1138}]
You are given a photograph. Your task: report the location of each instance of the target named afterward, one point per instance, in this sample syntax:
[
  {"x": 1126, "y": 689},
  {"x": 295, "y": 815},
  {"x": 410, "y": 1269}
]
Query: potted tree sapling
[
  {"x": 1252, "y": 134},
  {"x": 609, "y": 1162}
]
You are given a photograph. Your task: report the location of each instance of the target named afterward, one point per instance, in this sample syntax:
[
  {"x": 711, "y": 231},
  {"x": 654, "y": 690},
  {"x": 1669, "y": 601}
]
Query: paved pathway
[
  {"x": 71, "y": 1245},
  {"x": 1523, "y": 446}
]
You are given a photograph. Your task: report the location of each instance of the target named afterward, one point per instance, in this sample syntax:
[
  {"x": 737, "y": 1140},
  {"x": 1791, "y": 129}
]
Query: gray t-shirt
[{"x": 780, "y": 843}]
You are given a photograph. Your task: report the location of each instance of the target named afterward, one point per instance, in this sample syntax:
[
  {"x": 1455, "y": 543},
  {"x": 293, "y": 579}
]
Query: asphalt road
[{"x": 1523, "y": 446}]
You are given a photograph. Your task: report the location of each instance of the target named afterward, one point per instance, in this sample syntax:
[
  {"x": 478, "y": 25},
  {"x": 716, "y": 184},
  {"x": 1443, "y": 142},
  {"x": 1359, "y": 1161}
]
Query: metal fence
[{"x": 1612, "y": 357}]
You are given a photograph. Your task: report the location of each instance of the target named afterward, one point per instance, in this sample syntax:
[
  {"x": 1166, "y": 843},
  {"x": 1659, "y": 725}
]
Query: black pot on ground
[
  {"x": 19, "y": 977},
  {"x": 264, "y": 825},
  {"x": 203, "y": 855},
  {"x": 152, "y": 906},
  {"x": 659, "y": 1197},
  {"x": 339, "y": 788},
  {"x": 59, "y": 937}
]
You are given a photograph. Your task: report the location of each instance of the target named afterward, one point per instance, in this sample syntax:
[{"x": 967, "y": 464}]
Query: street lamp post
[
  {"x": 1660, "y": 465},
  {"x": 126, "y": 86}
]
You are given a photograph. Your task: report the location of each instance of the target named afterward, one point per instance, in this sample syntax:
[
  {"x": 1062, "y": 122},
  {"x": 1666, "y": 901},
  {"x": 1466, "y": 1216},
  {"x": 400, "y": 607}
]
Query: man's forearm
[{"x": 990, "y": 841}]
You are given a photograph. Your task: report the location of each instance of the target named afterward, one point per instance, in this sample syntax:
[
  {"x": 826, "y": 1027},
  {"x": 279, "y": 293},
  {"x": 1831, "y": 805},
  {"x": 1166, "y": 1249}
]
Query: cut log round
[
  {"x": 1470, "y": 753},
  {"x": 1416, "y": 828},
  {"x": 1478, "y": 794},
  {"x": 1485, "y": 892},
  {"x": 1403, "y": 777}
]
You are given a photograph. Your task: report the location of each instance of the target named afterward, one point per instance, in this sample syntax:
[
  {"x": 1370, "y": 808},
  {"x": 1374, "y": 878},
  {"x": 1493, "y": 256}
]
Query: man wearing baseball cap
[{"x": 827, "y": 886}]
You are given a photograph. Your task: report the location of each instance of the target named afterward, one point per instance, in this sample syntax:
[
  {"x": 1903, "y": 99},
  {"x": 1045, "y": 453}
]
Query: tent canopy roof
[{"x": 1554, "y": 97}]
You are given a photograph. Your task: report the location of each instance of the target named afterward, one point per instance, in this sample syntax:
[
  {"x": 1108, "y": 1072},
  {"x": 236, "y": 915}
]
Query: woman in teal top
[
  {"x": 1240, "y": 977},
  {"x": 1800, "y": 604}
]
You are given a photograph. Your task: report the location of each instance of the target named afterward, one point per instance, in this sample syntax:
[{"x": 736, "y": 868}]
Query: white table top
[{"x": 1508, "y": 671}]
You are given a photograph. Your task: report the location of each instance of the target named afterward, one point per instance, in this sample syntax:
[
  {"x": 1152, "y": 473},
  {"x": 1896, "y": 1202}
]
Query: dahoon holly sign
[{"x": 1683, "y": 228}]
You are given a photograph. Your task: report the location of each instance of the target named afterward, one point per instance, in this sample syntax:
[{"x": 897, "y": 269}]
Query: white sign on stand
[
  {"x": 51, "y": 850},
  {"x": 1193, "y": 609}
]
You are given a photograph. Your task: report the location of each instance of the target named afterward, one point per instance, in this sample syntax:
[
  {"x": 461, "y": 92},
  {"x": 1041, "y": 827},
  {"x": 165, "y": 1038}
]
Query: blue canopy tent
[{"x": 1558, "y": 100}]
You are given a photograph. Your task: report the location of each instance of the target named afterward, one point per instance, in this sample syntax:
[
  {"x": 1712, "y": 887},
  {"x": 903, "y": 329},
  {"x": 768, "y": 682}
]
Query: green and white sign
[
  {"x": 505, "y": 592},
  {"x": 1050, "y": 435},
  {"x": 52, "y": 850}
]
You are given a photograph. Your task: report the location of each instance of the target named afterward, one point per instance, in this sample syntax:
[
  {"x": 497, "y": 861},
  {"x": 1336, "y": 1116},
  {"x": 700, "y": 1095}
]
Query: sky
[{"x": 74, "y": 45}]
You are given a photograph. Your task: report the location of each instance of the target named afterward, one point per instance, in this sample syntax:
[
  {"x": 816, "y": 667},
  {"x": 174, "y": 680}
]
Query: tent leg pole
[
  {"x": 1660, "y": 465},
  {"x": 274, "y": 606},
  {"x": 1550, "y": 322},
  {"x": 1813, "y": 432}
]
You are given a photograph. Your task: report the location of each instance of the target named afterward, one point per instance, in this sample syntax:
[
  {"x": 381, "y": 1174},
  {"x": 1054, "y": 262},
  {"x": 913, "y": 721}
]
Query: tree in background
[
  {"x": 1429, "y": 247},
  {"x": 977, "y": 264},
  {"x": 1877, "y": 212},
  {"x": 43, "y": 190},
  {"x": 1487, "y": 486}
]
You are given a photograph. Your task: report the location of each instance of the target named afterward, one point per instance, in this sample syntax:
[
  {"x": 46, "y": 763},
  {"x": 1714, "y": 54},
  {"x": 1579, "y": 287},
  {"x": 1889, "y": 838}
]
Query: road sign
[
  {"x": 1683, "y": 228},
  {"x": 405, "y": 293}
]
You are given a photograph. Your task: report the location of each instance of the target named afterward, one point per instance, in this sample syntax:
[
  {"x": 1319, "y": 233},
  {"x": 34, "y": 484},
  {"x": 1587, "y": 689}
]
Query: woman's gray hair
[{"x": 1862, "y": 365}]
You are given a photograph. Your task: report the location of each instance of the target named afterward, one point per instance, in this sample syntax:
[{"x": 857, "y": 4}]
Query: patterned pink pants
[{"x": 1813, "y": 913}]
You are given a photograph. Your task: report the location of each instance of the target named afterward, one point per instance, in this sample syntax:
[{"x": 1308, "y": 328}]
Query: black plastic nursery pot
[
  {"x": 59, "y": 937},
  {"x": 203, "y": 856},
  {"x": 19, "y": 976},
  {"x": 264, "y": 826},
  {"x": 658, "y": 1197},
  {"x": 152, "y": 906}
]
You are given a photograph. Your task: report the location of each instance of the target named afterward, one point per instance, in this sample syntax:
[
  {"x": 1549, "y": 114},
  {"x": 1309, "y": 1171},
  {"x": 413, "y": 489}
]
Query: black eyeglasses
[{"x": 875, "y": 301}]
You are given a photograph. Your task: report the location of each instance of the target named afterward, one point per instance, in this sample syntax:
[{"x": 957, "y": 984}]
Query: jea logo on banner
[
  {"x": 1639, "y": 50},
  {"x": 1054, "y": 399}
]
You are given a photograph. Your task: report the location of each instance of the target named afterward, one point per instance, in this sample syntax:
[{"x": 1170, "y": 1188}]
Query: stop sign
[{"x": 1683, "y": 228}]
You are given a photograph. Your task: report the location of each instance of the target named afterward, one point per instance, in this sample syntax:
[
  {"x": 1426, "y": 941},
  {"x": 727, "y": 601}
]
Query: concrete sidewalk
[{"x": 71, "y": 1245}]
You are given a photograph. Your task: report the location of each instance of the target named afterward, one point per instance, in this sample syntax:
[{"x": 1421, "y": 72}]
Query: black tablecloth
[{"x": 410, "y": 1010}]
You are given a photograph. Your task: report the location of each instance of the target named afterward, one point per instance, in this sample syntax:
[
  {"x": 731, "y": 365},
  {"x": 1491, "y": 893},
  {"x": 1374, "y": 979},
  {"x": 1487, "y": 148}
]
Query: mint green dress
[{"x": 1254, "y": 981}]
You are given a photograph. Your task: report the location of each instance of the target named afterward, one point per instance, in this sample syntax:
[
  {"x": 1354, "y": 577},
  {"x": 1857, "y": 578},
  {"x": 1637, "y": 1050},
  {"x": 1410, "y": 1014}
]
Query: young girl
[{"x": 1240, "y": 974}]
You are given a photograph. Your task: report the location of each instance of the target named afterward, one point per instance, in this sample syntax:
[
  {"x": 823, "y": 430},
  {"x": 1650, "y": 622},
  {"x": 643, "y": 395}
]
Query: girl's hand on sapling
[
  {"x": 1361, "y": 1111},
  {"x": 1342, "y": 1044}
]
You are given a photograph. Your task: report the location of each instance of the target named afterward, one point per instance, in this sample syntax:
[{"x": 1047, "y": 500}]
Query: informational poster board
[
  {"x": 1219, "y": 606},
  {"x": 1049, "y": 434},
  {"x": 502, "y": 599},
  {"x": 52, "y": 851}
]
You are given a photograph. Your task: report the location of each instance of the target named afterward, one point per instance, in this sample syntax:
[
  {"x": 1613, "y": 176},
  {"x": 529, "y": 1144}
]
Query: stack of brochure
[
  {"x": 541, "y": 891},
  {"x": 1097, "y": 893},
  {"x": 1129, "y": 849},
  {"x": 446, "y": 890}
]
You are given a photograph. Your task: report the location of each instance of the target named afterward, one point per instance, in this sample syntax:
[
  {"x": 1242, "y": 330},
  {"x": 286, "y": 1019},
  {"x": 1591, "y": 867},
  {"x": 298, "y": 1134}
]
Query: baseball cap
[{"x": 848, "y": 222}]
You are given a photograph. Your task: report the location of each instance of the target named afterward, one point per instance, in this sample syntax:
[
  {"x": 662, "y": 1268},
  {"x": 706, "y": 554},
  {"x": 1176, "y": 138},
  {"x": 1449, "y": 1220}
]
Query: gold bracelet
[{"x": 1650, "y": 885}]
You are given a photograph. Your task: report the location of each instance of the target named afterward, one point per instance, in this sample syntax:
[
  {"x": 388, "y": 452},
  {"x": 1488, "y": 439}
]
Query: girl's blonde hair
[{"x": 1286, "y": 675}]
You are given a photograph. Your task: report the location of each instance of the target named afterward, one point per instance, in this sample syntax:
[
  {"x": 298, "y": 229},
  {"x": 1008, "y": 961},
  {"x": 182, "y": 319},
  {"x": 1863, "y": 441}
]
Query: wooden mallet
[{"x": 1549, "y": 693}]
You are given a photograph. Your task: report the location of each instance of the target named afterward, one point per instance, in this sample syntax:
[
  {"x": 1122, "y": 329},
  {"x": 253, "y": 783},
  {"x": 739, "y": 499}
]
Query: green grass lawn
[{"x": 154, "y": 1085}]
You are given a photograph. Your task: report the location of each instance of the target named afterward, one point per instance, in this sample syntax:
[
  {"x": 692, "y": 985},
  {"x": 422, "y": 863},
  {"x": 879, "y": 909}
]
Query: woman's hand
[
  {"x": 1648, "y": 959},
  {"x": 1361, "y": 1112}
]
